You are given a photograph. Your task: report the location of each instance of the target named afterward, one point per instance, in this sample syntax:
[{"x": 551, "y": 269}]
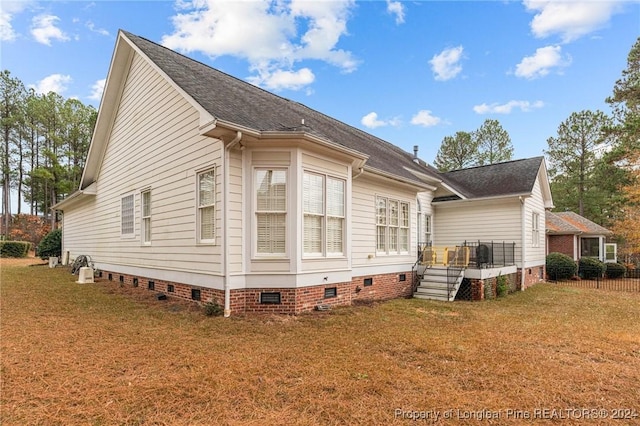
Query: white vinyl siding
[
  {"x": 323, "y": 208},
  {"x": 154, "y": 142},
  {"x": 392, "y": 226},
  {"x": 146, "y": 216},
  {"x": 127, "y": 216},
  {"x": 271, "y": 211},
  {"x": 206, "y": 206},
  {"x": 498, "y": 220}
]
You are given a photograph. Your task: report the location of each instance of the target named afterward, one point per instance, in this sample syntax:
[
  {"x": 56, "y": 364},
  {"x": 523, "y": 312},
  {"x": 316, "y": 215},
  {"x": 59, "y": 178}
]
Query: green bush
[
  {"x": 616, "y": 270},
  {"x": 14, "y": 248},
  {"x": 51, "y": 245},
  {"x": 212, "y": 309},
  {"x": 502, "y": 285},
  {"x": 591, "y": 268},
  {"x": 560, "y": 266}
]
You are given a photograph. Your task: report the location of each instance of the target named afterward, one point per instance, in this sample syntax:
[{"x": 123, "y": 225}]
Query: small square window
[
  {"x": 121, "y": 279},
  {"x": 330, "y": 292},
  {"x": 195, "y": 294},
  {"x": 368, "y": 282},
  {"x": 170, "y": 288},
  {"x": 270, "y": 298},
  {"x": 135, "y": 282},
  {"x": 110, "y": 277},
  {"x": 151, "y": 285},
  {"x": 402, "y": 277}
]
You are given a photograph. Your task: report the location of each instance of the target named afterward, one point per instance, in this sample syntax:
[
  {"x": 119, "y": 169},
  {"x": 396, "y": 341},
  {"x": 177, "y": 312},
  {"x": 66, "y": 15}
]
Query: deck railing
[{"x": 470, "y": 254}]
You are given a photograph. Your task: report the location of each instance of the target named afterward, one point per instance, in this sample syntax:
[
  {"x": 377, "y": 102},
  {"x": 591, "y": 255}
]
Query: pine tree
[{"x": 456, "y": 152}]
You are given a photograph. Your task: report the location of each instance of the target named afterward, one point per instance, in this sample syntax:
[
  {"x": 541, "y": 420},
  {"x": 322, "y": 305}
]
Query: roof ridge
[{"x": 495, "y": 164}]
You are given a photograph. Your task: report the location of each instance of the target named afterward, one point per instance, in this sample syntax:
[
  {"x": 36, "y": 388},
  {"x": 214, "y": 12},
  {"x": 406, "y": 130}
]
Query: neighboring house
[
  {"x": 206, "y": 187},
  {"x": 576, "y": 236}
]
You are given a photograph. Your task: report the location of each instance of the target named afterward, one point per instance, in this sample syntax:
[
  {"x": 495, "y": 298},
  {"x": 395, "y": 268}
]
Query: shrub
[
  {"x": 502, "y": 287},
  {"x": 590, "y": 268},
  {"x": 212, "y": 309},
  {"x": 560, "y": 266},
  {"x": 51, "y": 245},
  {"x": 14, "y": 248},
  {"x": 616, "y": 270}
]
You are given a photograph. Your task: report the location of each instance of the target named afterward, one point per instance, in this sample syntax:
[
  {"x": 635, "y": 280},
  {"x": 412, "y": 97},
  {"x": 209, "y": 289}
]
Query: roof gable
[{"x": 509, "y": 178}]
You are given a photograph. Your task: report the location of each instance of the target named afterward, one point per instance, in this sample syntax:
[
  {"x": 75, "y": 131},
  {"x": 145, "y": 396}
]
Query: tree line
[
  {"x": 594, "y": 160},
  {"x": 44, "y": 142}
]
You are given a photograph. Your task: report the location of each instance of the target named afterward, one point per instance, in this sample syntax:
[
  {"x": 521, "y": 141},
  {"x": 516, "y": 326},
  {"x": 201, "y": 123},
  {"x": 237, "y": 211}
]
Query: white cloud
[
  {"x": 496, "y": 108},
  {"x": 570, "y": 19},
  {"x": 446, "y": 64},
  {"x": 542, "y": 62},
  {"x": 272, "y": 36},
  {"x": 97, "y": 89},
  {"x": 92, "y": 28},
  {"x": 57, "y": 83},
  {"x": 371, "y": 121},
  {"x": 425, "y": 118},
  {"x": 7, "y": 11},
  {"x": 281, "y": 79},
  {"x": 43, "y": 29},
  {"x": 396, "y": 8}
]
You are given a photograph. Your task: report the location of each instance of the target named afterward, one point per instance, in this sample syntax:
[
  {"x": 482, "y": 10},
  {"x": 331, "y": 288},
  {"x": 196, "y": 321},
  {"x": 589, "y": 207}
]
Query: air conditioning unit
[{"x": 85, "y": 276}]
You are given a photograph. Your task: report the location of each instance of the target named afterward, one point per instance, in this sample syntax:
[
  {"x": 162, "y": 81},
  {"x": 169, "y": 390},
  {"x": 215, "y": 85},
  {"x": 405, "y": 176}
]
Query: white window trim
[
  {"x": 131, "y": 234},
  {"x": 199, "y": 239},
  {"x": 256, "y": 254},
  {"x": 389, "y": 225},
  {"x": 615, "y": 252},
  {"x": 325, "y": 216},
  {"x": 143, "y": 217}
]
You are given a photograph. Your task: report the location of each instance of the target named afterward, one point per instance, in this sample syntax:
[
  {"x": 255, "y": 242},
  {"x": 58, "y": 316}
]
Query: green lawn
[{"x": 98, "y": 354}]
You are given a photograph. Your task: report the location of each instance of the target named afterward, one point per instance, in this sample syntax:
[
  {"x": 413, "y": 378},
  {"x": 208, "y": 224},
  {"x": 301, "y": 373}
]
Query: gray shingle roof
[
  {"x": 501, "y": 179},
  {"x": 232, "y": 100}
]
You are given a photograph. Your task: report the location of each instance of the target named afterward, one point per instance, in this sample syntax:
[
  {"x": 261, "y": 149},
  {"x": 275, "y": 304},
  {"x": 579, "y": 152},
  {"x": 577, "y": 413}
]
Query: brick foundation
[
  {"x": 533, "y": 275},
  {"x": 292, "y": 300}
]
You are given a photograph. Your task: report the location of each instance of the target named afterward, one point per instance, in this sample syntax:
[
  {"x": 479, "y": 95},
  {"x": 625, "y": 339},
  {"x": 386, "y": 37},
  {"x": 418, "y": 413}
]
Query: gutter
[{"x": 225, "y": 225}]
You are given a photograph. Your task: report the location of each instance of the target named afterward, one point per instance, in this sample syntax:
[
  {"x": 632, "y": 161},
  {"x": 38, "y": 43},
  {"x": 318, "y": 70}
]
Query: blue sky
[{"x": 410, "y": 72}]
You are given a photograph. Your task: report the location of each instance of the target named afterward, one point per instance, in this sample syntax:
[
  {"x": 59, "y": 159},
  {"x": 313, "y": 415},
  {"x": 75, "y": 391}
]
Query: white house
[{"x": 205, "y": 187}]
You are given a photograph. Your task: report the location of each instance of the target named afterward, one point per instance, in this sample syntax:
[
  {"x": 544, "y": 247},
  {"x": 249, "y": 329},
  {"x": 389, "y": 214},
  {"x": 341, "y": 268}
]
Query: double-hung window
[
  {"x": 424, "y": 225},
  {"x": 271, "y": 211},
  {"x": 535, "y": 229},
  {"x": 206, "y": 206},
  {"x": 146, "y": 216},
  {"x": 127, "y": 216},
  {"x": 324, "y": 212},
  {"x": 392, "y": 226}
]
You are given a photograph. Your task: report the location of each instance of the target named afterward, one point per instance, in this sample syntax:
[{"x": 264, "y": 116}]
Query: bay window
[
  {"x": 271, "y": 211},
  {"x": 323, "y": 208}
]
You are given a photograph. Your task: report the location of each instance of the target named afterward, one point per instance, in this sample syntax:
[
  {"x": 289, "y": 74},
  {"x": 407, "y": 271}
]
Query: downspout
[
  {"x": 524, "y": 243},
  {"x": 225, "y": 224}
]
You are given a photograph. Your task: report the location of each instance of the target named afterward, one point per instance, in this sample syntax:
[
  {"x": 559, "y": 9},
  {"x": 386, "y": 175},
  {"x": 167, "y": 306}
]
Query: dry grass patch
[{"x": 100, "y": 354}]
